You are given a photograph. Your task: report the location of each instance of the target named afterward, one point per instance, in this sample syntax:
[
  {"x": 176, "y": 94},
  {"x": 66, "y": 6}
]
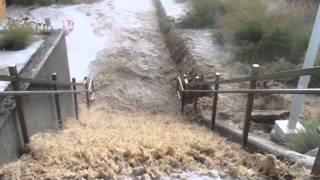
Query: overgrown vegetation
[
  {"x": 276, "y": 39},
  {"x": 307, "y": 140},
  {"x": 262, "y": 36},
  {"x": 203, "y": 14},
  {"x": 15, "y": 38}
]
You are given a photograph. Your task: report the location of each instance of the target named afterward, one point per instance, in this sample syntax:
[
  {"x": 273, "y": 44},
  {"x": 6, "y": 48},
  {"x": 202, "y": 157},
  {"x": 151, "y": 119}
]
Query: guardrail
[
  {"x": 183, "y": 85},
  {"x": 87, "y": 88}
]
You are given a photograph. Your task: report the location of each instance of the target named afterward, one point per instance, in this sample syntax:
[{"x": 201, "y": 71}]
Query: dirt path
[{"x": 137, "y": 72}]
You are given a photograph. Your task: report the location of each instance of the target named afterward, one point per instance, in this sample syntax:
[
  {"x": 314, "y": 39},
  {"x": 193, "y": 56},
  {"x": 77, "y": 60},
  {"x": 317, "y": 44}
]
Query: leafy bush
[
  {"x": 203, "y": 14},
  {"x": 15, "y": 38},
  {"x": 307, "y": 140},
  {"x": 262, "y": 37},
  {"x": 315, "y": 80}
]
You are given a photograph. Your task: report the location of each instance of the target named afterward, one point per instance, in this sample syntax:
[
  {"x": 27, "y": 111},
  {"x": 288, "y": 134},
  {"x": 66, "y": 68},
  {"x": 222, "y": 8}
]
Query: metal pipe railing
[
  {"x": 53, "y": 84},
  {"x": 181, "y": 89},
  {"x": 26, "y": 93},
  {"x": 264, "y": 91},
  {"x": 273, "y": 76},
  {"x": 37, "y": 81}
]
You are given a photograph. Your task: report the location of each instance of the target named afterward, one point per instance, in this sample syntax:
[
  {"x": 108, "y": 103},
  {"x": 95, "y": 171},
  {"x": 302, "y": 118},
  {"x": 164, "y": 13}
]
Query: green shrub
[
  {"x": 203, "y": 14},
  {"x": 307, "y": 140},
  {"x": 263, "y": 37},
  {"x": 315, "y": 80},
  {"x": 15, "y": 38}
]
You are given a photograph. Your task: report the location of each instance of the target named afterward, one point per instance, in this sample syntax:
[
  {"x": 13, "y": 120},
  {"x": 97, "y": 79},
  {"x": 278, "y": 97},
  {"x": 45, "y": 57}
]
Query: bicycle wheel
[
  {"x": 3, "y": 27},
  {"x": 32, "y": 25},
  {"x": 13, "y": 24}
]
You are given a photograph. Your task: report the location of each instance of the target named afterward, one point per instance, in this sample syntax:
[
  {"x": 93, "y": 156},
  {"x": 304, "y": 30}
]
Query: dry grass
[{"x": 117, "y": 144}]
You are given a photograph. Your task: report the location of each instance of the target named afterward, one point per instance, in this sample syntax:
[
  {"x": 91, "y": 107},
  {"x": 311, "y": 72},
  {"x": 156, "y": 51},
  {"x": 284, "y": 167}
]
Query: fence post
[
  {"x": 57, "y": 100},
  {"x": 183, "y": 95},
  {"x": 249, "y": 107},
  {"x": 215, "y": 101},
  {"x": 316, "y": 166},
  {"x": 87, "y": 92},
  {"x": 15, "y": 85},
  {"x": 75, "y": 99},
  {"x": 195, "y": 96}
]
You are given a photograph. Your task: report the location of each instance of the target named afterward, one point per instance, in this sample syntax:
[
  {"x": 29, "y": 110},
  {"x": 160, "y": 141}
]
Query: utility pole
[
  {"x": 310, "y": 59},
  {"x": 283, "y": 128}
]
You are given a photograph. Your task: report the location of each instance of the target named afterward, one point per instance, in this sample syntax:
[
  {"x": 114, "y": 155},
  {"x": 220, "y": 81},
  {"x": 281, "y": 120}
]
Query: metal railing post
[
  {"x": 87, "y": 92},
  {"x": 75, "y": 99},
  {"x": 249, "y": 107},
  {"x": 215, "y": 101},
  {"x": 15, "y": 85},
  {"x": 316, "y": 166},
  {"x": 57, "y": 100},
  {"x": 183, "y": 95},
  {"x": 195, "y": 97}
]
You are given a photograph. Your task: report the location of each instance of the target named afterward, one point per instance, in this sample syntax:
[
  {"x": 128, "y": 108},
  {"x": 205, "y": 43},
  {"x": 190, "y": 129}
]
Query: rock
[
  {"x": 313, "y": 152},
  {"x": 269, "y": 116},
  {"x": 225, "y": 115},
  {"x": 139, "y": 171}
]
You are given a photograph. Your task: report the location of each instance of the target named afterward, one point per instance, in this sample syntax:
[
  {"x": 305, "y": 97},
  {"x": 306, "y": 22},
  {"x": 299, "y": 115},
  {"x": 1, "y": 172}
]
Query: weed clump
[
  {"x": 16, "y": 38},
  {"x": 262, "y": 36},
  {"x": 305, "y": 140},
  {"x": 203, "y": 14},
  {"x": 259, "y": 33}
]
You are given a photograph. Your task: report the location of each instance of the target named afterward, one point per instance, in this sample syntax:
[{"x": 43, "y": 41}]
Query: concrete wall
[{"x": 39, "y": 110}]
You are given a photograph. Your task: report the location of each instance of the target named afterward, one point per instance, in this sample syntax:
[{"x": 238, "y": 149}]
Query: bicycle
[{"x": 25, "y": 22}]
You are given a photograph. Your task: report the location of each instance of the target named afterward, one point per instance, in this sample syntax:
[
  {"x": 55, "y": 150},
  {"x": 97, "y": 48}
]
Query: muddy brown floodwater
[
  {"x": 137, "y": 73},
  {"x": 134, "y": 129}
]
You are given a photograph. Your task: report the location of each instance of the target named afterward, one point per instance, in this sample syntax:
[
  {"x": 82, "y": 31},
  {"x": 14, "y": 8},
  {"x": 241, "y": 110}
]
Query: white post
[
  {"x": 310, "y": 59},
  {"x": 284, "y": 127}
]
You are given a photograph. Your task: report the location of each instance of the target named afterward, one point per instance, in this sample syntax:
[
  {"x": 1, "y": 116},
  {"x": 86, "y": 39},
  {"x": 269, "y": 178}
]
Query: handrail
[
  {"x": 251, "y": 92},
  {"x": 180, "y": 82},
  {"x": 53, "y": 89},
  {"x": 268, "y": 91},
  {"x": 278, "y": 75},
  {"x": 90, "y": 84},
  {"x": 25, "y": 93},
  {"x": 37, "y": 81}
]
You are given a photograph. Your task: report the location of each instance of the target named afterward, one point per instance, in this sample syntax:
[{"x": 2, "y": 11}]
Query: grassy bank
[{"x": 275, "y": 38}]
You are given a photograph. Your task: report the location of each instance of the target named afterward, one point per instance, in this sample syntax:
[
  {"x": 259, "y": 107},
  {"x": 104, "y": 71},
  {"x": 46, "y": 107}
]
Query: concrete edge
[
  {"x": 258, "y": 144},
  {"x": 42, "y": 55},
  {"x": 30, "y": 70},
  {"x": 255, "y": 143}
]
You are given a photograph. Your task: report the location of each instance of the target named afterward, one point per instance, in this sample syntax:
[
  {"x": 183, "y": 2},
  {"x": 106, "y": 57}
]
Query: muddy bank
[
  {"x": 180, "y": 52},
  {"x": 194, "y": 51}
]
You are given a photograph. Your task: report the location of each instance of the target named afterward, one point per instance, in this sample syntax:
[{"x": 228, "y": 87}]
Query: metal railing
[
  {"x": 183, "y": 89},
  {"x": 15, "y": 79}
]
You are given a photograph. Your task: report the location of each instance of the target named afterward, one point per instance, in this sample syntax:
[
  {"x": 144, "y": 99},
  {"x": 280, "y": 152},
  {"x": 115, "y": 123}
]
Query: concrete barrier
[{"x": 39, "y": 110}]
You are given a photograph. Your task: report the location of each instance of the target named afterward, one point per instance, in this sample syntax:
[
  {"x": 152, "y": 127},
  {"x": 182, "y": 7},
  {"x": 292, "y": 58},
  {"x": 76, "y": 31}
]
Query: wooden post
[
  {"x": 87, "y": 92},
  {"x": 57, "y": 100},
  {"x": 316, "y": 166},
  {"x": 75, "y": 99},
  {"x": 15, "y": 85},
  {"x": 215, "y": 101},
  {"x": 249, "y": 107}
]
